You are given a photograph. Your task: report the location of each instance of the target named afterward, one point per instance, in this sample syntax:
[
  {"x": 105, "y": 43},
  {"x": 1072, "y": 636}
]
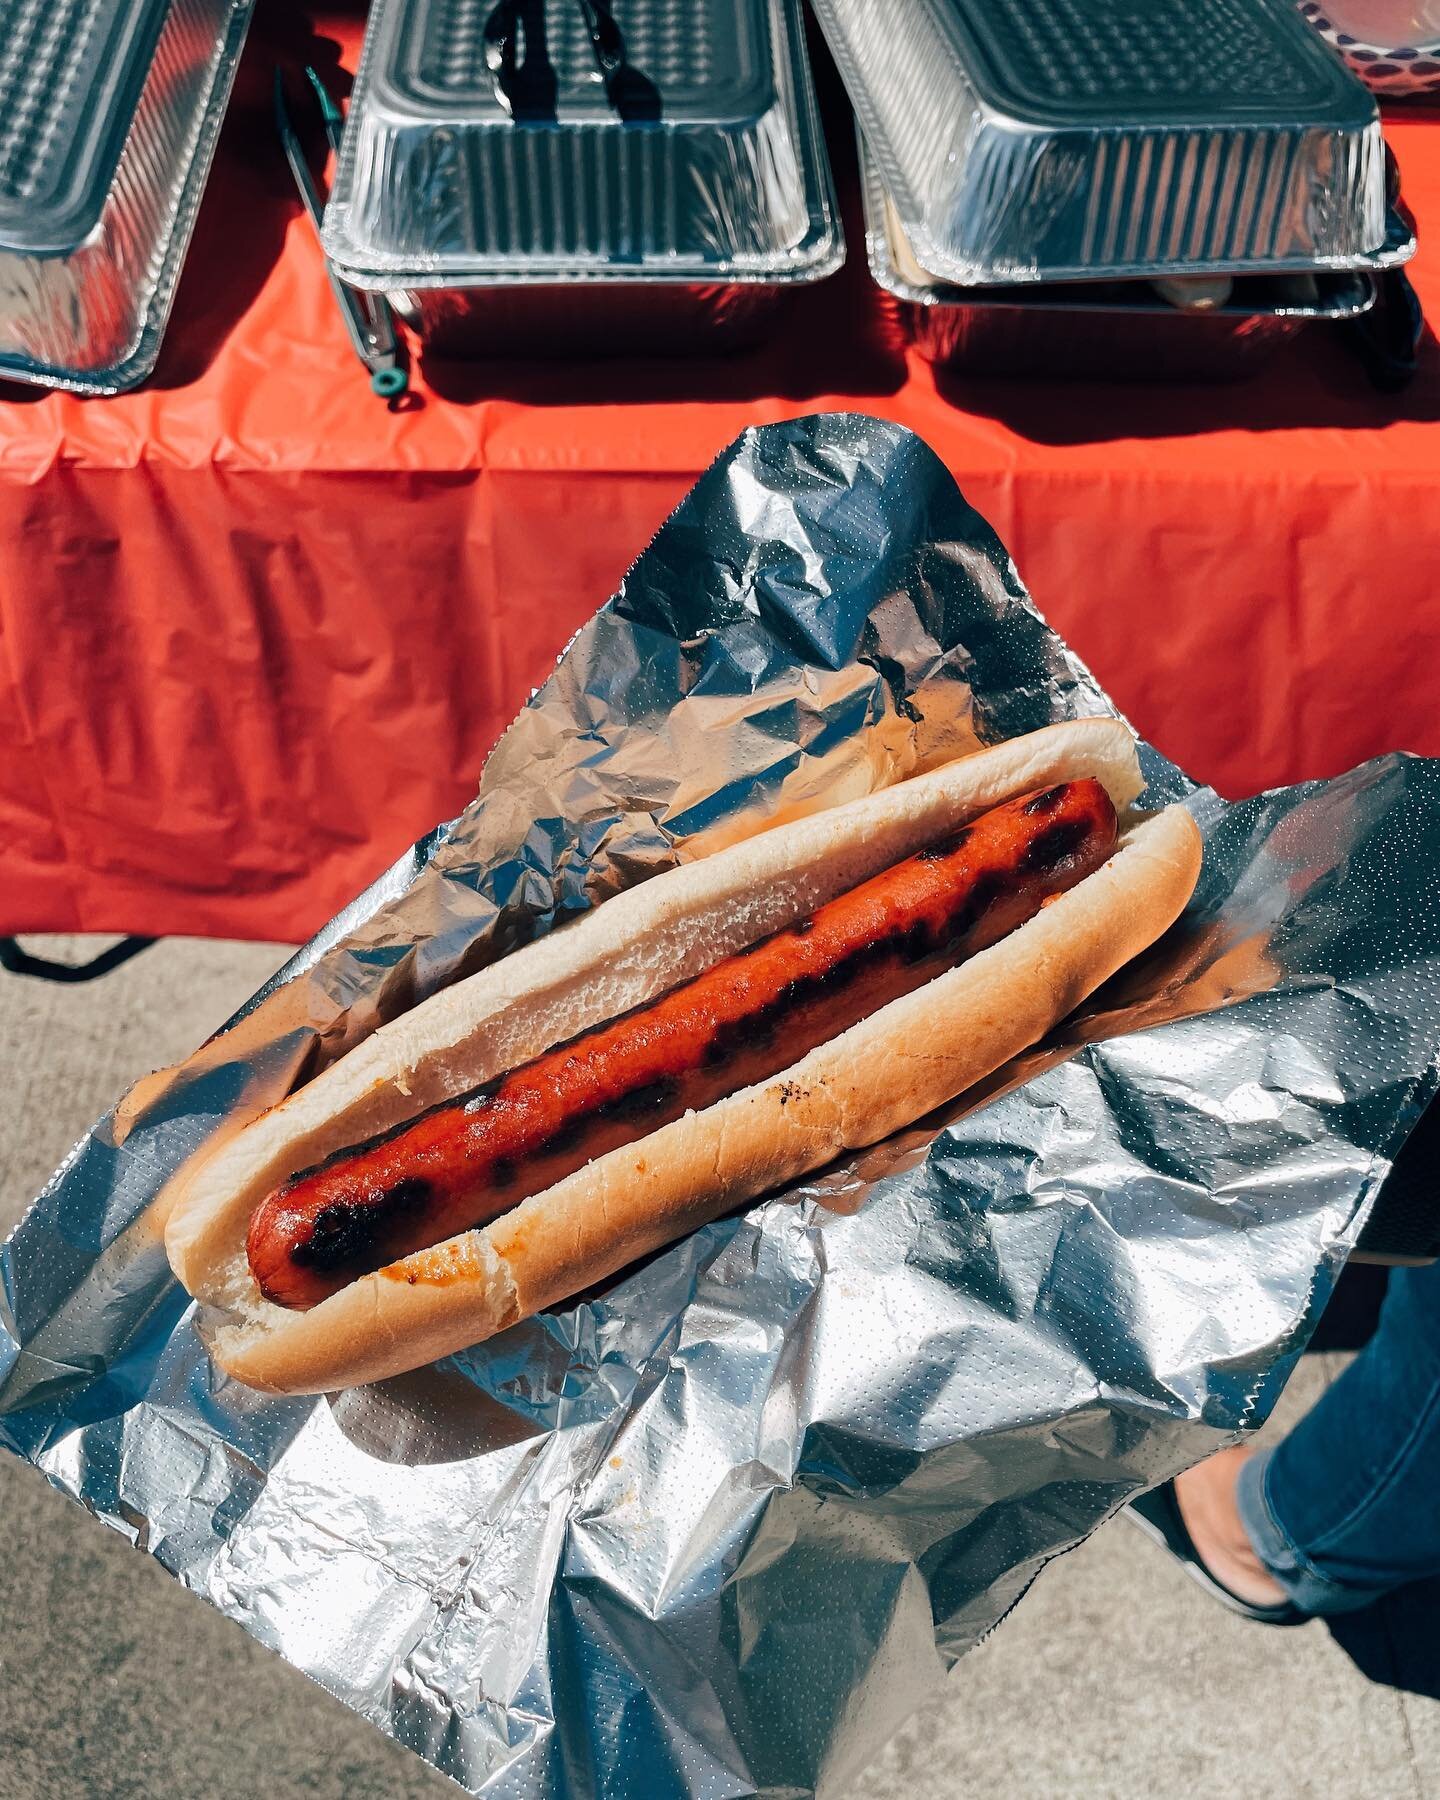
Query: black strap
[{"x": 21, "y": 962}]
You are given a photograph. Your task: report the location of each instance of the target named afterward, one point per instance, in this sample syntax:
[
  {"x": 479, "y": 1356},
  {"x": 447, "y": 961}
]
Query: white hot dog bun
[{"x": 929, "y": 1046}]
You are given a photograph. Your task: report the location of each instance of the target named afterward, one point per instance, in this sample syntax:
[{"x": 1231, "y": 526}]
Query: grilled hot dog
[
  {"x": 751, "y": 1015},
  {"x": 690, "y": 1044}
]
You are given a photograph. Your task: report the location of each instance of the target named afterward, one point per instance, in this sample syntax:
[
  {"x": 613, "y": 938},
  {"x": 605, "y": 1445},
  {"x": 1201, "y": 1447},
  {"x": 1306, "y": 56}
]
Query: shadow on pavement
[{"x": 1397, "y": 1640}]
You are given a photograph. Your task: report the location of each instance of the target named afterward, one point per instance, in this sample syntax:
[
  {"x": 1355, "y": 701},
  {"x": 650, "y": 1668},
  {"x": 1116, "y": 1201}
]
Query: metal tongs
[{"x": 368, "y": 318}]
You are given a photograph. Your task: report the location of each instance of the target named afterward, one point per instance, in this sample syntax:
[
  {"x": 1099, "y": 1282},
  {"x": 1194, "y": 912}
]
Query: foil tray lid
[
  {"x": 894, "y": 267},
  {"x": 1035, "y": 140},
  {"x": 109, "y": 111},
  {"x": 71, "y": 72},
  {"x": 645, "y": 139}
]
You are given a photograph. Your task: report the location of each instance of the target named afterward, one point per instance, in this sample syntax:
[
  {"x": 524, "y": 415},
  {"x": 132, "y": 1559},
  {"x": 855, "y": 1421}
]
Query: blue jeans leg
[{"x": 1348, "y": 1505}]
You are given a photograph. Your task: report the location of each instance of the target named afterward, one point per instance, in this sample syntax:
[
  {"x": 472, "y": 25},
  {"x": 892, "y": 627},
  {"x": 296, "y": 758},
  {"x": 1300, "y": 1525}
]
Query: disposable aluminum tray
[
  {"x": 506, "y": 198},
  {"x": 109, "y": 111},
  {"x": 1118, "y": 330},
  {"x": 1050, "y": 140}
]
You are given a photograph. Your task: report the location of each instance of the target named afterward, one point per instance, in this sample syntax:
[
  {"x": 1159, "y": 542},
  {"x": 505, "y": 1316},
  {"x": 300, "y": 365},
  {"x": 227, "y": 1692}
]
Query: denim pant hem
[{"x": 1304, "y": 1584}]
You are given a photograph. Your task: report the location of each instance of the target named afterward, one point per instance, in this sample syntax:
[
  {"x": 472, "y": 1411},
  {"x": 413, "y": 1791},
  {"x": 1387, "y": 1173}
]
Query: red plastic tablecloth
[{"x": 257, "y": 633}]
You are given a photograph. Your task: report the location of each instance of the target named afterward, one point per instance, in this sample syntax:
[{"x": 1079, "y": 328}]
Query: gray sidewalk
[{"x": 1114, "y": 1677}]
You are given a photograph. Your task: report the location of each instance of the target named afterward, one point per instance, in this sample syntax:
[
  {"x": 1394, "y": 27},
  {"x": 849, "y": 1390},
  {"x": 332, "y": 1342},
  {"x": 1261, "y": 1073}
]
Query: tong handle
[
  {"x": 607, "y": 45},
  {"x": 605, "y": 39},
  {"x": 333, "y": 118},
  {"x": 368, "y": 321}
]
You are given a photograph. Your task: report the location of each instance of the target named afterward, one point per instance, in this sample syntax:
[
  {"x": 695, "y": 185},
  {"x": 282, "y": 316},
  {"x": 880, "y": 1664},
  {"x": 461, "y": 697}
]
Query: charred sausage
[{"x": 751, "y": 1015}]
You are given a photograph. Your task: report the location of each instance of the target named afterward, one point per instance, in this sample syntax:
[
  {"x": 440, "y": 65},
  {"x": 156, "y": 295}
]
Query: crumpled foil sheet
[{"x": 718, "y": 1530}]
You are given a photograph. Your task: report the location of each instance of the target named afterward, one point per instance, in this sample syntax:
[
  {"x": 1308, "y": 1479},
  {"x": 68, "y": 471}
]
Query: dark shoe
[{"x": 1158, "y": 1516}]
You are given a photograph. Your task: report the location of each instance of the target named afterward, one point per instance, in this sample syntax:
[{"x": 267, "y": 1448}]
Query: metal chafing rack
[
  {"x": 1065, "y": 189},
  {"x": 1117, "y": 330},
  {"x": 582, "y": 176}
]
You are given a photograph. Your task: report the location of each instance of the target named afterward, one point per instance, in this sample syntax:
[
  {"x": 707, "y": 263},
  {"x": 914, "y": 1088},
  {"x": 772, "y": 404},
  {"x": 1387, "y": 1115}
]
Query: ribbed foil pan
[
  {"x": 109, "y": 110},
  {"x": 717, "y": 1530},
  {"x": 1042, "y": 140},
  {"x": 700, "y": 168},
  {"x": 1111, "y": 330}
]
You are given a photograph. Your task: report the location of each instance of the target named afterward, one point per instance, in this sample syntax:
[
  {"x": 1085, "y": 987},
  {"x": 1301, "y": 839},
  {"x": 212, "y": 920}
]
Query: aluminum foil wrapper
[{"x": 717, "y": 1530}]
